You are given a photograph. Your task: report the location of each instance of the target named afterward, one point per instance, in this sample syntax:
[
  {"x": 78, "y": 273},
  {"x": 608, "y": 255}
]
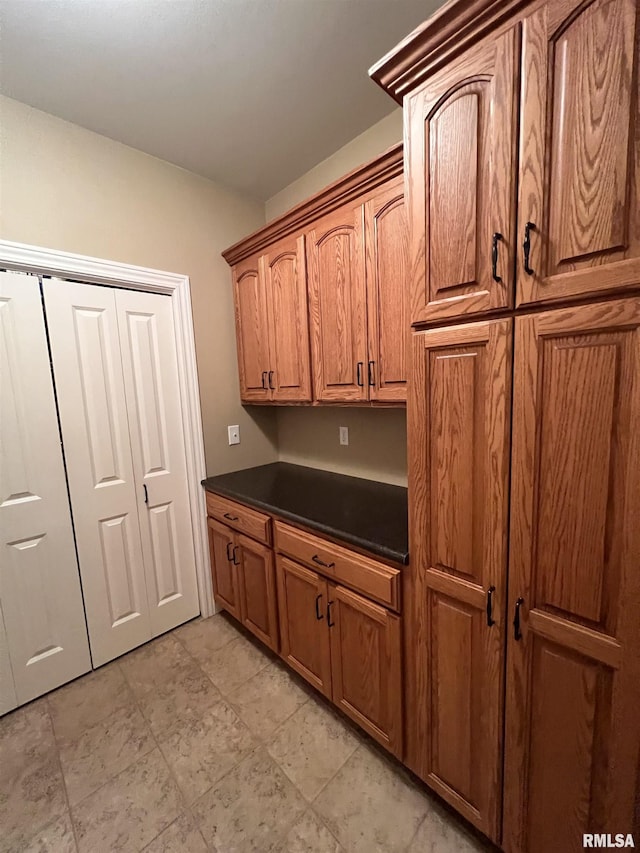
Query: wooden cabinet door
[
  {"x": 458, "y": 510},
  {"x": 573, "y": 679},
  {"x": 304, "y": 637},
  {"x": 366, "y": 665},
  {"x": 224, "y": 572},
  {"x": 387, "y": 268},
  {"x": 461, "y": 132},
  {"x": 252, "y": 330},
  {"x": 337, "y": 306},
  {"x": 579, "y": 150},
  {"x": 257, "y": 578},
  {"x": 285, "y": 274}
]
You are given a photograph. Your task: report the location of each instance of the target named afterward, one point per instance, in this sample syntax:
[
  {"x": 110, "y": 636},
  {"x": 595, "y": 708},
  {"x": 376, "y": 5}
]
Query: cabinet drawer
[
  {"x": 374, "y": 579},
  {"x": 255, "y": 524}
]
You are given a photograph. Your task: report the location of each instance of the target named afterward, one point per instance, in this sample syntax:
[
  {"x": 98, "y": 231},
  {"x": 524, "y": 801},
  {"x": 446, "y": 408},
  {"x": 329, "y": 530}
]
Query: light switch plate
[
  {"x": 234, "y": 434},
  {"x": 344, "y": 435}
]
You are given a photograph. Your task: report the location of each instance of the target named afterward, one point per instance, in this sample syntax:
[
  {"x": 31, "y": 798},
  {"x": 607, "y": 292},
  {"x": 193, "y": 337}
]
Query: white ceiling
[{"x": 250, "y": 93}]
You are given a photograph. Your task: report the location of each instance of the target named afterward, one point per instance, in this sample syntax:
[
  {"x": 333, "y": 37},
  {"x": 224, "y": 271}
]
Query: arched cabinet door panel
[
  {"x": 289, "y": 377},
  {"x": 461, "y": 135},
  {"x": 579, "y": 187},
  {"x": 337, "y": 306},
  {"x": 387, "y": 254},
  {"x": 573, "y": 668},
  {"x": 252, "y": 330}
]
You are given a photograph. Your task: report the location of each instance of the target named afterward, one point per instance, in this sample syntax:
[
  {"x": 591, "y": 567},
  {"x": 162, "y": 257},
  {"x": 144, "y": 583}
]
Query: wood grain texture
[
  {"x": 257, "y": 581},
  {"x": 304, "y": 639},
  {"x": 242, "y": 518},
  {"x": 284, "y": 267},
  {"x": 387, "y": 269},
  {"x": 366, "y": 665},
  {"x": 460, "y": 157},
  {"x": 579, "y": 180},
  {"x": 223, "y": 572},
  {"x": 573, "y": 681},
  {"x": 458, "y": 503},
  {"x": 364, "y": 574},
  {"x": 350, "y": 188},
  {"x": 337, "y": 306},
  {"x": 252, "y": 331}
]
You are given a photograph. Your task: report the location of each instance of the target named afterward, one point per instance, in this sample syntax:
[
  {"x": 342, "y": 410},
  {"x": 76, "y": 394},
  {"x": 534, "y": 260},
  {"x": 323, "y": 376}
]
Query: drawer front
[
  {"x": 376, "y": 580},
  {"x": 255, "y": 524}
]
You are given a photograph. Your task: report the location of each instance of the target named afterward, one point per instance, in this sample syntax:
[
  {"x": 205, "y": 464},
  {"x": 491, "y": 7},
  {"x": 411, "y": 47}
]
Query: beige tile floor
[{"x": 201, "y": 741}]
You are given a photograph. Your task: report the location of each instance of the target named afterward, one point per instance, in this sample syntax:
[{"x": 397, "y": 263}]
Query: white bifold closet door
[
  {"x": 43, "y": 636},
  {"x": 115, "y": 364}
]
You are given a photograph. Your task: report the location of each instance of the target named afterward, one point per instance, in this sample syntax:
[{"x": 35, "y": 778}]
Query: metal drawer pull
[
  {"x": 329, "y": 622},
  {"x": 490, "y": 620},
  {"x": 231, "y": 517},
  {"x": 494, "y": 256},
  {"x": 517, "y": 633},
  {"x": 319, "y": 615},
  {"x": 264, "y": 379},
  {"x": 359, "y": 367},
  {"x": 526, "y": 246},
  {"x": 235, "y": 562},
  {"x": 316, "y": 559},
  {"x": 271, "y": 386},
  {"x": 229, "y": 557},
  {"x": 372, "y": 380}
]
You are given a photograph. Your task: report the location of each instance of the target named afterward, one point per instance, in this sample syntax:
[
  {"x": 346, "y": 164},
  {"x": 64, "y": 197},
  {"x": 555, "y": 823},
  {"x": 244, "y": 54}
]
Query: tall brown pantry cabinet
[{"x": 522, "y": 600}]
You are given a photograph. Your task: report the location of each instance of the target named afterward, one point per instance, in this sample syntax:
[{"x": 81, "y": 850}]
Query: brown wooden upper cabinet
[
  {"x": 272, "y": 325},
  {"x": 358, "y": 300},
  {"x": 461, "y": 128},
  {"x": 579, "y": 196},
  {"x": 386, "y": 265},
  {"x": 252, "y": 331},
  {"x": 339, "y": 293},
  {"x": 570, "y": 76},
  {"x": 338, "y": 306}
]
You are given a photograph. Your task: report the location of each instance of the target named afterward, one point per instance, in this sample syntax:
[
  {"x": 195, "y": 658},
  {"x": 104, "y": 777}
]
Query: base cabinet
[
  {"x": 345, "y": 646},
  {"x": 244, "y": 582},
  {"x": 305, "y": 646}
]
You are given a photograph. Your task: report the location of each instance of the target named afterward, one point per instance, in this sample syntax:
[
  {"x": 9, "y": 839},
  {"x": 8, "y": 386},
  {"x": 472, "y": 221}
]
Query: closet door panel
[
  {"x": 85, "y": 346},
  {"x": 41, "y": 610},
  {"x": 150, "y": 365}
]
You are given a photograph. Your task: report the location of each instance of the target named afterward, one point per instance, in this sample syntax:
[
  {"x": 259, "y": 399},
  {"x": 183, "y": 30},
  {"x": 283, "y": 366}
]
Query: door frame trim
[{"x": 23, "y": 257}]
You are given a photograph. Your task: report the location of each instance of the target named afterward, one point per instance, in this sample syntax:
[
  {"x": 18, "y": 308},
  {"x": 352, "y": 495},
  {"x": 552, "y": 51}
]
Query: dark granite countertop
[{"x": 369, "y": 515}]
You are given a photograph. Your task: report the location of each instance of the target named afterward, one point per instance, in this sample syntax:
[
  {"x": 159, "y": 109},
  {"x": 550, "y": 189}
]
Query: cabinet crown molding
[
  {"x": 447, "y": 33},
  {"x": 361, "y": 180}
]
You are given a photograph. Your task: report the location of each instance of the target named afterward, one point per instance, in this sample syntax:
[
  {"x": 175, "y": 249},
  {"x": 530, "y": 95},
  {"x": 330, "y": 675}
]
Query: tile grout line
[{"x": 62, "y": 776}]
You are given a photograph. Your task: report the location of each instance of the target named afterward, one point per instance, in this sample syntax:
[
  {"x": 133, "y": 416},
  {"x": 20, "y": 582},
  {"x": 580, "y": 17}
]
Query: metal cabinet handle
[
  {"x": 316, "y": 559},
  {"x": 359, "y": 367},
  {"x": 319, "y": 615},
  {"x": 494, "y": 256},
  {"x": 372, "y": 380},
  {"x": 526, "y": 246},
  {"x": 146, "y": 493},
  {"x": 517, "y": 633},
  {"x": 490, "y": 620},
  {"x": 264, "y": 379},
  {"x": 229, "y": 557},
  {"x": 231, "y": 517},
  {"x": 271, "y": 386},
  {"x": 235, "y": 562},
  {"x": 329, "y": 622}
]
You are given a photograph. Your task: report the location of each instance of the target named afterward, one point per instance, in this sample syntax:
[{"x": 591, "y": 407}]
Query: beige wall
[
  {"x": 368, "y": 145},
  {"x": 66, "y": 188},
  {"x": 378, "y": 442}
]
